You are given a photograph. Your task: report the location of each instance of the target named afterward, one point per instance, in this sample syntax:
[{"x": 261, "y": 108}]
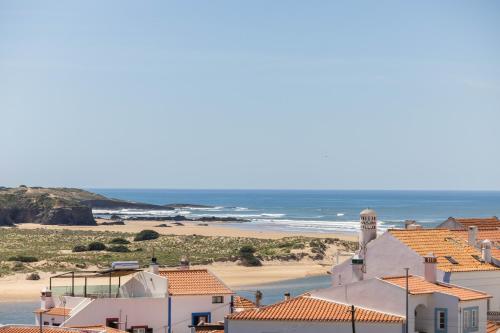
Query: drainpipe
[
  {"x": 169, "y": 314},
  {"x": 406, "y": 320}
]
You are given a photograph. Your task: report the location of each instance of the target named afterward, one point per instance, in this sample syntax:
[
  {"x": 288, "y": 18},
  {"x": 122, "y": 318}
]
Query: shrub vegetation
[{"x": 146, "y": 235}]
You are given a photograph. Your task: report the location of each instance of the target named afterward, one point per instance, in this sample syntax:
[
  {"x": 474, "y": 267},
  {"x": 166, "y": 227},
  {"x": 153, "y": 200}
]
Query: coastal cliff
[{"x": 62, "y": 206}]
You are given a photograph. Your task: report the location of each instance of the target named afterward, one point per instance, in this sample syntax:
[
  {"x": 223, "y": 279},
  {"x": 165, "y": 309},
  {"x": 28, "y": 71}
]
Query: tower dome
[{"x": 368, "y": 229}]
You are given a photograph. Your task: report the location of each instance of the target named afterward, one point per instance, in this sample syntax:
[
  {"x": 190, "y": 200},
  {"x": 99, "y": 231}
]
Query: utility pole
[
  {"x": 353, "y": 322},
  {"x": 407, "y": 292},
  {"x": 40, "y": 321}
]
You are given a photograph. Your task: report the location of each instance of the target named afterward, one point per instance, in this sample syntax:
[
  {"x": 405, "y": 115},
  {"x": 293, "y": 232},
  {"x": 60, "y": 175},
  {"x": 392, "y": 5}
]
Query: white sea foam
[
  {"x": 340, "y": 214},
  {"x": 272, "y": 215},
  {"x": 314, "y": 225},
  {"x": 211, "y": 209}
]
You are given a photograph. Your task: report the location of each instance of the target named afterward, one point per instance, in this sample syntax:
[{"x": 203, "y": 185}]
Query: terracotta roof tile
[
  {"x": 307, "y": 308},
  {"x": 418, "y": 285},
  {"x": 102, "y": 328},
  {"x": 194, "y": 282},
  {"x": 492, "y": 327},
  {"x": 492, "y": 235},
  {"x": 36, "y": 329},
  {"x": 443, "y": 242},
  {"x": 480, "y": 223},
  {"x": 243, "y": 303},
  {"x": 55, "y": 311}
]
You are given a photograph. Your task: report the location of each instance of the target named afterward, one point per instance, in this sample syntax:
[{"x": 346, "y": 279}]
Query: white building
[
  {"x": 169, "y": 301},
  {"x": 458, "y": 262},
  {"x": 306, "y": 314},
  {"x": 432, "y": 306}
]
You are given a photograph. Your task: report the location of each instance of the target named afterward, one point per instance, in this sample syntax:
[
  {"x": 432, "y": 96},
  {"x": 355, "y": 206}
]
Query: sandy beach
[
  {"x": 17, "y": 288},
  {"x": 190, "y": 228}
]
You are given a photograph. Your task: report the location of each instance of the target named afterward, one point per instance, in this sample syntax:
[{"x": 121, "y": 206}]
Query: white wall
[
  {"x": 152, "y": 312},
  {"x": 184, "y": 306},
  {"x": 482, "y": 313},
  {"x": 255, "y": 326},
  {"x": 367, "y": 294},
  {"x": 386, "y": 256},
  {"x": 485, "y": 281},
  {"x": 145, "y": 284}
]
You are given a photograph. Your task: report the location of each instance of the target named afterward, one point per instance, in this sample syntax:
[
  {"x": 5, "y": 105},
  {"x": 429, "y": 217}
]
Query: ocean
[
  {"x": 314, "y": 210},
  {"x": 300, "y": 210}
]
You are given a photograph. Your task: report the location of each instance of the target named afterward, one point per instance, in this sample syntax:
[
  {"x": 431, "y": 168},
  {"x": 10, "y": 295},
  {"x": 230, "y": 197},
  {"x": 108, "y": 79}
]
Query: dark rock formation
[
  {"x": 120, "y": 204},
  {"x": 119, "y": 222},
  {"x": 78, "y": 215},
  {"x": 183, "y": 218}
]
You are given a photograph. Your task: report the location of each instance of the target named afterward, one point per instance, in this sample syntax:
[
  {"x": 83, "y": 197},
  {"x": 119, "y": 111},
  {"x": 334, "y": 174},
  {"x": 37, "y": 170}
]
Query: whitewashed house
[
  {"x": 458, "y": 262},
  {"x": 433, "y": 306},
  {"x": 149, "y": 302}
]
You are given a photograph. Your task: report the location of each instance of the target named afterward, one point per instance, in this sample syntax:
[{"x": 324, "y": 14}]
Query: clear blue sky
[{"x": 261, "y": 94}]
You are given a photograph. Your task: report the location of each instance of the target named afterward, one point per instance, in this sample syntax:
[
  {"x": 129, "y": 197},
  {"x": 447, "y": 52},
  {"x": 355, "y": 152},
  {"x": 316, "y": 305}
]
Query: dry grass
[{"x": 53, "y": 248}]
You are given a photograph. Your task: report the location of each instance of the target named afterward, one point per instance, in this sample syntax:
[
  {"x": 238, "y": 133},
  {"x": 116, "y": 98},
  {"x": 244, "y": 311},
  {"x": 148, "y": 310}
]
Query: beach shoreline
[{"x": 213, "y": 229}]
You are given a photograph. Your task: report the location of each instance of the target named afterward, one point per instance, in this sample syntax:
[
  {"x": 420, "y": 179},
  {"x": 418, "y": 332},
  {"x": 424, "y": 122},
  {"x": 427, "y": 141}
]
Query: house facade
[
  {"x": 433, "y": 306},
  {"x": 149, "y": 302}
]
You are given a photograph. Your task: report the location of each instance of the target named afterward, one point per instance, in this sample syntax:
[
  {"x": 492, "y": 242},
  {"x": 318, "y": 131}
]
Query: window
[
  {"x": 471, "y": 319},
  {"x": 139, "y": 330},
  {"x": 478, "y": 258},
  {"x": 452, "y": 260},
  {"x": 441, "y": 320},
  {"x": 200, "y": 317},
  {"x": 217, "y": 299},
  {"x": 112, "y": 322}
]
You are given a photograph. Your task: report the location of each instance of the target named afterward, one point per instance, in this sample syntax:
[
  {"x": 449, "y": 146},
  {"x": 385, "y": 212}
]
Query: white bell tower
[{"x": 368, "y": 232}]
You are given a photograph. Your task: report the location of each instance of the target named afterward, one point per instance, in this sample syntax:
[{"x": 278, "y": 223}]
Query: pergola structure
[{"x": 110, "y": 273}]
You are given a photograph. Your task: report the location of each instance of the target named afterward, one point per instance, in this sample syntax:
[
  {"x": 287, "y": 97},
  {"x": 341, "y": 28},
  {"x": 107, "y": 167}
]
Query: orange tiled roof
[
  {"x": 36, "y": 329},
  {"x": 307, "y": 308},
  {"x": 194, "y": 282},
  {"x": 443, "y": 242},
  {"x": 492, "y": 327},
  {"x": 101, "y": 328},
  {"x": 243, "y": 303},
  {"x": 55, "y": 311},
  {"x": 492, "y": 235},
  {"x": 418, "y": 285},
  {"x": 480, "y": 223}
]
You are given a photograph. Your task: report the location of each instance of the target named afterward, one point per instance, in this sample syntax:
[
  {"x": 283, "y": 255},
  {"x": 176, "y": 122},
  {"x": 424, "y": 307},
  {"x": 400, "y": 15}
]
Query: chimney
[
  {"x": 408, "y": 223},
  {"x": 258, "y": 298},
  {"x": 430, "y": 268},
  {"x": 287, "y": 296},
  {"x": 184, "y": 264},
  {"x": 472, "y": 235},
  {"x": 154, "y": 267},
  {"x": 47, "y": 301},
  {"x": 486, "y": 250},
  {"x": 357, "y": 268}
]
